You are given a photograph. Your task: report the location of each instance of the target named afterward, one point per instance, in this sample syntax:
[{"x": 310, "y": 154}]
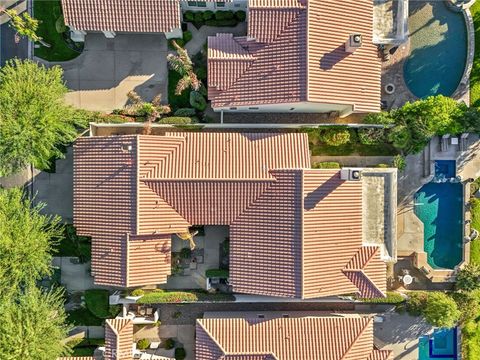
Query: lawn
[
  {"x": 475, "y": 75},
  {"x": 96, "y": 301},
  {"x": 177, "y": 101},
  {"x": 84, "y": 317},
  {"x": 475, "y": 245},
  {"x": 165, "y": 296},
  {"x": 48, "y": 12},
  {"x": 73, "y": 245}
]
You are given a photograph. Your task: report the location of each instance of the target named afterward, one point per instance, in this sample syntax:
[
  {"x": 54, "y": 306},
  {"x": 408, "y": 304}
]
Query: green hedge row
[{"x": 218, "y": 18}]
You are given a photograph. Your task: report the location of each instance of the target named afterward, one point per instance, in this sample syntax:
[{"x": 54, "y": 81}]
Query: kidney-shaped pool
[{"x": 438, "y": 49}]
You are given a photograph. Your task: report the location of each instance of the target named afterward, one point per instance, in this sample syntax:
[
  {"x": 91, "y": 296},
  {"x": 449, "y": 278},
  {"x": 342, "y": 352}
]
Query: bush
[
  {"x": 441, "y": 310},
  {"x": 185, "y": 253},
  {"x": 198, "y": 101},
  {"x": 137, "y": 292},
  {"x": 175, "y": 120},
  {"x": 179, "y": 41},
  {"x": 189, "y": 15},
  {"x": 392, "y": 298},
  {"x": 326, "y": 165},
  {"x": 221, "y": 23},
  {"x": 371, "y": 136},
  {"x": 185, "y": 112},
  {"x": 202, "y": 73},
  {"x": 416, "y": 302},
  {"x": 224, "y": 15},
  {"x": 382, "y": 118},
  {"x": 169, "y": 343},
  {"x": 60, "y": 26},
  {"x": 180, "y": 353},
  {"x": 143, "y": 344},
  {"x": 399, "y": 162},
  {"x": 187, "y": 36},
  {"x": 208, "y": 15},
  {"x": 468, "y": 278},
  {"x": 161, "y": 296},
  {"x": 335, "y": 136},
  {"x": 198, "y": 17},
  {"x": 241, "y": 15},
  {"x": 217, "y": 273},
  {"x": 383, "y": 166}
]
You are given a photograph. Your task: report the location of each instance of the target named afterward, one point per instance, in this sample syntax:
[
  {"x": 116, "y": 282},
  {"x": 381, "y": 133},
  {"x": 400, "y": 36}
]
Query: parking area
[{"x": 107, "y": 69}]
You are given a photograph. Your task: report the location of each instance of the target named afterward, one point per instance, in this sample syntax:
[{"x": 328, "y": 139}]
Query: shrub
[
  {"x": 202, "y": 73},
  {"x": 382, "y": 118},
  {"x": 221, "y": 23},
  {"x": 175, "y": 120},
  {"x": 137, "y": 292},
  {"x": 160, "y": 296},
  {"x": 392, "y": 298},
  {"x": 198, "y": 17},
  {"x": 383, "y": 166},
  {"x": 468, "y": 278},
  {"x": 198, "y": 101},
  {"x": 441, "y": 310},
  {"x": 169, "y": 343},
  {"x": 217, "y": 273},
  {"x": 187, "y": 36},
  {"x": 371, "y": 136},
  {"x": 60, "y": 26},
  {"x": 416, "y": 302},
  {"x": 189, "y": 15},
  {"x": 400, "y": 137},
  {"x": 180, "y": 353},
  {"x": 208, "y": 15},
  {"x": 143, "y": 344},
  {"x": 185, "y": 112},
  {"x": 185, "y": 253},
  {"x": 179, "y": 41},
  {"x": 96, "y": 301},
  {"x": 224, "y": 15},
  {"x": 399, "y": 162},
  {"x": 241, "y": 15},
  {"x": 335, "y": 136},
  {"x": 326, "y": 165}
]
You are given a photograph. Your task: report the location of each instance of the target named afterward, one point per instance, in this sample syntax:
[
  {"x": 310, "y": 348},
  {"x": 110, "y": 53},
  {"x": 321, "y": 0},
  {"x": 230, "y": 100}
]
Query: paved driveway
[{"x": 108, "y": 69}]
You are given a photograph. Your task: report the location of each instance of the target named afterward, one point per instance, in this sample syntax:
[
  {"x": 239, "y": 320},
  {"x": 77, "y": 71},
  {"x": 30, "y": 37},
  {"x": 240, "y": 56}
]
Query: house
[
  {"x": 286, "y": 338},
  {"x": 315, "y": 56},
  {"x": 134, "y": 16},
  {"x": 294, "y": 231}
]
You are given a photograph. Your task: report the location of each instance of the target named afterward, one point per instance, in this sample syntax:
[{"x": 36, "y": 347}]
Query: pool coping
[{"x": 462, "y": 92}]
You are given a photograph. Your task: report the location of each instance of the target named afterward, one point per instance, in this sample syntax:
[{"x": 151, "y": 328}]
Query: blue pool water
[
  {"x": 442, "y": 344},
  {"x": 438, "y": 49},
  {"x": 439, "y": 205}
]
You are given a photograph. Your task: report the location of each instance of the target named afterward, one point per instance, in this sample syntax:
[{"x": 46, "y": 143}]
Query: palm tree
[
  {"x": 151, "y": 110},
  {"x": 182, "y": 64}
]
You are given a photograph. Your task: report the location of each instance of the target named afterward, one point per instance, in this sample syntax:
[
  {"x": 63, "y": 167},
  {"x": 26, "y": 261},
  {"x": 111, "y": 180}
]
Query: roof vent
[
  {"x": 350, "y": 174},
  {"x": 353, "y": 43},
  {"x": 126, "y": 147}
]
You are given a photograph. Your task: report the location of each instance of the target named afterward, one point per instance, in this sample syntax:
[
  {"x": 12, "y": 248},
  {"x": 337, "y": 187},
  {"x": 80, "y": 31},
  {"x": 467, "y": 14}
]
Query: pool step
[{"x": 439, "y": 276}]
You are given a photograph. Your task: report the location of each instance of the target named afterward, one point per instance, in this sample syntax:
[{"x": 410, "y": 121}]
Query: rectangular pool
[{"x": 442, "y": 344}]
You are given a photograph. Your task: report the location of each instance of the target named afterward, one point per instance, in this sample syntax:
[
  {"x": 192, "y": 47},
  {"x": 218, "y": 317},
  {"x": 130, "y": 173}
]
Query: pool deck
[{"x": 419, "y": 171}]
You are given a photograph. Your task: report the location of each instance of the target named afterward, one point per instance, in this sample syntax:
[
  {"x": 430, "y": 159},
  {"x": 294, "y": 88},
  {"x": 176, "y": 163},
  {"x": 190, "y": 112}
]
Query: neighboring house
[
  {"x": 311, "y": 56},
  {"x": 134, "y": 16},
  {"x": 301, "y": 338},
  {"x": 294, "y": 231}
]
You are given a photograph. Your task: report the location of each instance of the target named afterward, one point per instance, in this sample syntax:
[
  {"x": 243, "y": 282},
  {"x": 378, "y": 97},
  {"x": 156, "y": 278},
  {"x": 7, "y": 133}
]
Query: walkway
[
  {"x": 199, "y": 36},
  {"x": 108, "y": 69}
]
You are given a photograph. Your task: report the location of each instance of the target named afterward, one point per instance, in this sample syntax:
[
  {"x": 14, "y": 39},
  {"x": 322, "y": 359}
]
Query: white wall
[
  {"x": 299, "y": 107},
  {"x": 174, "y": 34},
  {"x": 210, "y": 5}
]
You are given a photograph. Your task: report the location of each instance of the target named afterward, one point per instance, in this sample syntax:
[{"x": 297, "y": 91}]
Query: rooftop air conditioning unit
[
  {"x": 353, "y": 42},
  {"x": 350, "y": 174}
]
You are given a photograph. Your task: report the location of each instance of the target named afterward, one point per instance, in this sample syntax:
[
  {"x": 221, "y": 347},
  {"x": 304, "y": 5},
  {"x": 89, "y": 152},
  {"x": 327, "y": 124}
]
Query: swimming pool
[
  {"x": 439, "y": 205},
  {"x": 438, "y": 49},
  {"x": 442, "y": 344}
]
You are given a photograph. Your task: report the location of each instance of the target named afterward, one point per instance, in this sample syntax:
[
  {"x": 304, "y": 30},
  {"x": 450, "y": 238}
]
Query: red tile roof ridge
[
  {"x": 361, "y": 259},
  {"x": 117, "y": 325},
  {"x": 254, "y": 4},
  {"x": 212, "y": 338},
  {"x": 359, "y": 335}
]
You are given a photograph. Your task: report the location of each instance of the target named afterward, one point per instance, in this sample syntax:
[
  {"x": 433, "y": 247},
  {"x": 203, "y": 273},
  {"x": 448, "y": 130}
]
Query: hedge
[
  {"x": 96, "y": 301},
  {"x": 175, "y": 120},
  {"x": 180, "y": 353},
  {"x": 326, "y": 165},
  {"x": 197, "y": 101},
  {"x": 161, "y": 296},
  {"x": 222, "y": 23},
  {"x": 217, "y": 273},
  {"x": 392, "y": 298},
  {"x": 241, "y": 15},
  {"x": 182, "y": 112}
]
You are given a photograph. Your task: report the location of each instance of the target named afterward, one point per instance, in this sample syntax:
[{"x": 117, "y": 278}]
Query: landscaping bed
[
  {"x": 475, "y": 74},
  {"x": 73, "y": 245},
  {"x": 219, "y": 18},
  {"x": 164, "y": 296},
  {"x": 53, "y": 31}
]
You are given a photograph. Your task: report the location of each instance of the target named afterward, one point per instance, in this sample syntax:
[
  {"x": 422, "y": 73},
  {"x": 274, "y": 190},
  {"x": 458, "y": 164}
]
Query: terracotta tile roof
[
  {"x": 320, "y": 338},
  {"x": 299, "y": 57},
  {"x": 76, "y": 358},
  {"x": 118, "y": 339},
  {"x": 151, "y": 16}
]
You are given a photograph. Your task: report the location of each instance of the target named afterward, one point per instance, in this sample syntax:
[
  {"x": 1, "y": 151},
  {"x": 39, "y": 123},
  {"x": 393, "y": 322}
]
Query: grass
[
  {"x": 164, "y": 296},
  {"x": 96, "y": 301},
  {"x": 475, "y": 245},
  {"x": 392, "y": 298},
  {"x": 86, "y": 347},
  {"x": 475, "y": 74},
  {"x": 83, "y": 316},
  {"x": 177, "y": 101},
  {"x": 48, "y": 12}
]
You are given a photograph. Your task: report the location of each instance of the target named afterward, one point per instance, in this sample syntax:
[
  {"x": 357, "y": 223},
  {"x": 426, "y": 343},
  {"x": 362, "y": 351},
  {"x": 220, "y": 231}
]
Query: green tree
[
  {"x": 34, "y": 121},
  {"x": 33, "y": 326},
  {"x": 24, "y": 24},
  {"x": 26, "y": 241},
  {"x": 399, "y": 162},
  {"x": 468, "y": 278},
  {"x": 335, "y": 136},
  {"x": 441, "y": 310}
]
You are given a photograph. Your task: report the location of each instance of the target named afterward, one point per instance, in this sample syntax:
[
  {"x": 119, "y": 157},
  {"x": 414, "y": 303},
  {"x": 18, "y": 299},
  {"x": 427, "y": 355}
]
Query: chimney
[{"x": 353, "y": 42}]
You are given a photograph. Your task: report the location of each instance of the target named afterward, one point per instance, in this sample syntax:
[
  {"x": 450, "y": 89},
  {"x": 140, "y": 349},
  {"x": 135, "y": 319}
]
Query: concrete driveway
[{"x": 108, "y": 69}]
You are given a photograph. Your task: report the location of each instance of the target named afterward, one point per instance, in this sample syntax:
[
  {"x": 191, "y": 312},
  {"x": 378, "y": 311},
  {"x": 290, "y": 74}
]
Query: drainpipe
[{"x": 221, "y": 116}]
